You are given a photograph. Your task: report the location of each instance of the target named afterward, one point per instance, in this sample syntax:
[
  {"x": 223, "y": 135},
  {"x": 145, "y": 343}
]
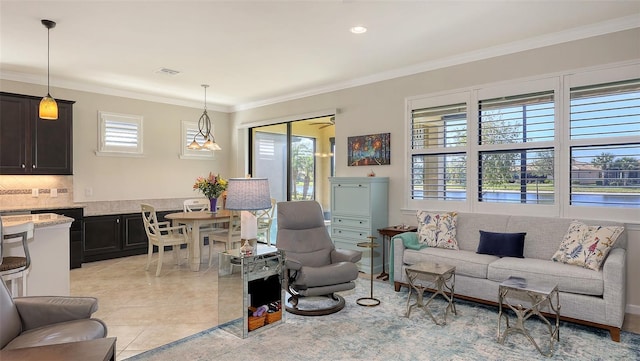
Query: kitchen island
[{"x": 49, "y": 250}]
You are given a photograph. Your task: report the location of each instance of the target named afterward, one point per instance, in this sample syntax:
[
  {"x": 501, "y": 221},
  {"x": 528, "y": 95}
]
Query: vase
[{"x": 213, "y": 204}]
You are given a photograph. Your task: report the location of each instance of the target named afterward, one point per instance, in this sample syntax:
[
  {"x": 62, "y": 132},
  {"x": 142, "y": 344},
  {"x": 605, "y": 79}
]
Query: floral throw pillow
[
  {"x": 586, "y": 246},
  {"x": 438, "y": 229}
]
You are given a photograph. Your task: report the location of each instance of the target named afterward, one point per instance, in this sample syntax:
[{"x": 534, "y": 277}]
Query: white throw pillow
[
  {"x": 587, "y": 246},
  {"x": 437, "y": 229}
]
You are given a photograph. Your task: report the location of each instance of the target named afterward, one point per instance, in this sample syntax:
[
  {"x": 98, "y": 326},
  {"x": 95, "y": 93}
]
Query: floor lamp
[{"x": 245, "y": 195}]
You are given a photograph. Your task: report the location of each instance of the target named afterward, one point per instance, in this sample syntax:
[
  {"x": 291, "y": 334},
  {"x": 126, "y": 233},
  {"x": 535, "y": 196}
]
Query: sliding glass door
[{"x": 296, "y": 157}]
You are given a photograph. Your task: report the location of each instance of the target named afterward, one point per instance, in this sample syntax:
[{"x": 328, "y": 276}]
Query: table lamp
[{"x": 248, "y": 194}]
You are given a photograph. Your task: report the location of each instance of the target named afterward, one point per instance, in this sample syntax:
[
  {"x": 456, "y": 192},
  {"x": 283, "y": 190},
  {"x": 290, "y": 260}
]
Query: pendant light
[
  {"x": 204, "y": 129},
  {"x": 48, "y": 105}
]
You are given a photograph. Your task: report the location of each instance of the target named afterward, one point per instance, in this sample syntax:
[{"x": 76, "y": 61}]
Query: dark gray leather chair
[
  {"x": 46, "y": 320},
  {"x": 313, "y": 266}
]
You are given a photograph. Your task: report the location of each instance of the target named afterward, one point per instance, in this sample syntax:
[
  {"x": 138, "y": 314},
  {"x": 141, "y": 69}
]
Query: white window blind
[
  {"x": 439, "y": 159},
  {"x": 120, "y": 133},
  {"x": 513, "y": 164},
  {"x": 605, "y": 156}
]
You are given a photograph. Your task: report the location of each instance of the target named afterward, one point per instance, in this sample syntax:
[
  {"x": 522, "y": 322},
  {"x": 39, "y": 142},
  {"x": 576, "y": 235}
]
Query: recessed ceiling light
[{"x": 358, "y": 30}]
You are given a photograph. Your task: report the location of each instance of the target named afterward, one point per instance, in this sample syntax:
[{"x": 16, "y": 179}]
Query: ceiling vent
[{"x": 167, "y": 71}]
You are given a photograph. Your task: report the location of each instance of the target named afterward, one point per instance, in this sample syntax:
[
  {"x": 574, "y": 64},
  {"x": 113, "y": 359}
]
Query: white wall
[
  {"x": 160, "y": 173},
  {"x": 380, "y": 108}
]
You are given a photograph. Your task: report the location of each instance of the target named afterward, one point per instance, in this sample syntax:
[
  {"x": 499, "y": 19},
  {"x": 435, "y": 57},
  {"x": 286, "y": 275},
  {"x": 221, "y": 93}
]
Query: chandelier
[{"x": 204, "y": 129}]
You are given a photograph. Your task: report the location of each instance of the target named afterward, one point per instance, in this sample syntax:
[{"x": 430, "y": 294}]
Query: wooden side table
[
  {"x": 102, "y": 349},
  {"x": 388, "y": 233}
]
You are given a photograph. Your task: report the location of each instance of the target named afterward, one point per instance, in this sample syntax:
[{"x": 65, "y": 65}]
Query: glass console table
[{"x": 246, "y": 282}]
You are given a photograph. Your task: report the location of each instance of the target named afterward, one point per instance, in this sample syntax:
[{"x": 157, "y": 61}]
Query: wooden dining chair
[
  {"x": 229, "y": 236},
  {"x": 13, "y": 268},
  {"x": 161, "y": 234},
  {"x": 202, "y": 204},
  {"x": 265, "y": 220}
]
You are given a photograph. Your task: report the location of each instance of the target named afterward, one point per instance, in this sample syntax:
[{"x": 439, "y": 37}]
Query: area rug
[{"x": 385, "y": 333}]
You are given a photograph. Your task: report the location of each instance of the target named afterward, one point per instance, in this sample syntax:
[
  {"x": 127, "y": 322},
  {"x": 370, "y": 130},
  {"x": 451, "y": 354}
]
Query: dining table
[{"x": 195, "y": 220}]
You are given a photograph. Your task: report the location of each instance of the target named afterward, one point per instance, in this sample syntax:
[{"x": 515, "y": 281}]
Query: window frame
[
  {"x": 106, "y": 150},
  {"x": 560, "y": 83}
]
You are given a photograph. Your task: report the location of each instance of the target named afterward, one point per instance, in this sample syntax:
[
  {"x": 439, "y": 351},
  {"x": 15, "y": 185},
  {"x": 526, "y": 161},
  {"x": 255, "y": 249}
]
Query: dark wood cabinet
[
  {"x": 30, "y": 145},
  {"x": 114, "y": 236},
  {"x": 76, "y": 233}
]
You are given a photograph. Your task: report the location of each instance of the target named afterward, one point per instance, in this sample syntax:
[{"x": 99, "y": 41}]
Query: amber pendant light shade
[{"x": 48, "y": 106}]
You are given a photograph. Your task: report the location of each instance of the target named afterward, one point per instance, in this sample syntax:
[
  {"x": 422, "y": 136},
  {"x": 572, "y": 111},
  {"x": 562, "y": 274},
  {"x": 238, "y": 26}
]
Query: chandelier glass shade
[
  {"x": 204, "y": 129},
  {"x": 48, "y": 107}
]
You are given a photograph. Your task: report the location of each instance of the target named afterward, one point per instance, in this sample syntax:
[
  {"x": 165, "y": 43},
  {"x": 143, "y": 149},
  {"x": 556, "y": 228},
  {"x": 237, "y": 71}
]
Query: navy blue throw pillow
[{"x": 501, "y": 244}]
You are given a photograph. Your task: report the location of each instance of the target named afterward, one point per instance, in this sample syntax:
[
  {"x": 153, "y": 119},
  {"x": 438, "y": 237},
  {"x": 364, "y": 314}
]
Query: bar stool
[{"x": 14, "y": 267}]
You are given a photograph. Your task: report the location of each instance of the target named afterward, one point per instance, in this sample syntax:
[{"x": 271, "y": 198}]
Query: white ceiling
[{"x": 260, "y": 52}]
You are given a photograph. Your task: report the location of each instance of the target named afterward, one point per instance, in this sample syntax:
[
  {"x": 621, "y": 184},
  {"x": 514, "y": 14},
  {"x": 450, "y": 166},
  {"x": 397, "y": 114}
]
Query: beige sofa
[{"x": 594, "y": 298}]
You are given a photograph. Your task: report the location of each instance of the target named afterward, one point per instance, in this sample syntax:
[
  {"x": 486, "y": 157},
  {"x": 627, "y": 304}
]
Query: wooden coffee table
[{"x": 102, "y": 349}]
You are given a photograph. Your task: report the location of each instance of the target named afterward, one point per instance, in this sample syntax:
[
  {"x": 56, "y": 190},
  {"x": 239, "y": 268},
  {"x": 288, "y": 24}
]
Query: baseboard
[{"x": 633, "y": 309}]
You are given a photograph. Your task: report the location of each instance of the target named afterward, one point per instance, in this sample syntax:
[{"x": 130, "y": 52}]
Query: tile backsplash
[{"x": 16, "y": 191}]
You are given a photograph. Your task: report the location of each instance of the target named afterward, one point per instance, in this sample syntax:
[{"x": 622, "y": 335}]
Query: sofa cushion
[
  {"x": 586, "y": 246},
  {"x": 501, "y": 244},
  {"x": 437, "y": 229},
  {"x": 568, "y": 278},
  {"x": 63, "y": 332},
  {"x": 467, "y": 263}
]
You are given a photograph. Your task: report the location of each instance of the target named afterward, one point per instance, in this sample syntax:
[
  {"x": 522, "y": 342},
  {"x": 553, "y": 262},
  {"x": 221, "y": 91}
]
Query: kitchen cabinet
[
  {"x": 30, "y": 145},
  {"x": 359, "y": 207},
  {"x": 115, "y": 235},
  {"x": 76, "y": 232}
]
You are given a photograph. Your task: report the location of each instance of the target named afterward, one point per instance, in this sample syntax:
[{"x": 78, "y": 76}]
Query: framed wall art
[{"x": 373, "y": 149}]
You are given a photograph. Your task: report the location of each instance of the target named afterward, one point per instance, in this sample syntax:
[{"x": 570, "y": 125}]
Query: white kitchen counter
[{"x": 49, "y": 250}]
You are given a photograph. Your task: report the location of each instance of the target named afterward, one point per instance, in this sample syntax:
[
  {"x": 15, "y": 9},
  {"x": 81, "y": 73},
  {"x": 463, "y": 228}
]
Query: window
[
  {"x": 189, "y": 131},
  {"x": 567, "y": 144},
  {"x": 119, "y": 134},
  {"x": 439, "y": 158},
  {"x": 523, "y": 173},
  {"x": 605, "y": 166}
]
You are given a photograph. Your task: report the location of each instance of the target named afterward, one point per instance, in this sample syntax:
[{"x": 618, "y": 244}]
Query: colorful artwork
[{"x": 374, "y": 149}]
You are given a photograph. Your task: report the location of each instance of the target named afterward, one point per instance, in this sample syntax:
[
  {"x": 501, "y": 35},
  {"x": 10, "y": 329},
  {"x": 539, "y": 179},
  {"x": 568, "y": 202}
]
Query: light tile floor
[{"x": 144, "y": 311}]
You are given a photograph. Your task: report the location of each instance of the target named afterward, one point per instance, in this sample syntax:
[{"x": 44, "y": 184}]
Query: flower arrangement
[{"x": 212, "y": 186}]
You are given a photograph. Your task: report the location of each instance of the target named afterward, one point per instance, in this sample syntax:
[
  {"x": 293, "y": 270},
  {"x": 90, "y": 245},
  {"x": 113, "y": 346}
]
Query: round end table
[{"x": 369, "y": 301}]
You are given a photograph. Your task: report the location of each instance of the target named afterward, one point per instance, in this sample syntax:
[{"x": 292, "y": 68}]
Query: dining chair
[
  {"x": 162, "y": 234},
  {"x": 265, "y": 220},
  {"x": 229, "y": 236},
  {"x": 15, "y": 267},
  {"x": 202, "y": 204}
]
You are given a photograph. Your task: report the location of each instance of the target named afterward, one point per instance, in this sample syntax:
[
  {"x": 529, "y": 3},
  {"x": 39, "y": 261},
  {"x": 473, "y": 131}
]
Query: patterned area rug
[{"x": 384, "y": 333}]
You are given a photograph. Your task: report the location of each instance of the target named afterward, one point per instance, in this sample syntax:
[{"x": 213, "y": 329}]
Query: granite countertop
[
  {"x": 23, "y": 209},
  {"x": 39, "y": 220}
]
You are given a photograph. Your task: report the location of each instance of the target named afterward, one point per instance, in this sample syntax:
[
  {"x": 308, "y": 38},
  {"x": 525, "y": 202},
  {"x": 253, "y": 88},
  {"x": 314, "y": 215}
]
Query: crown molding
[
  {"x": 602, "y": 28},
  {"x": 78, "y": 86},
  {"x": 612, "y": 26}
]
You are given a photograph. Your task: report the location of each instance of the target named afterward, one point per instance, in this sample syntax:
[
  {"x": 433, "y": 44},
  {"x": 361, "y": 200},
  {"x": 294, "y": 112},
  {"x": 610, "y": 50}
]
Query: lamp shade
[
  {"x": 248, "y": 194},
  {"x": 48, "y": 108}
]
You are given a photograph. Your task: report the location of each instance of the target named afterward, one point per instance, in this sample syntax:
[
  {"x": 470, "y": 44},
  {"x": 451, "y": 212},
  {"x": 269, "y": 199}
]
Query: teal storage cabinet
[{"x": 359, "y": 207}]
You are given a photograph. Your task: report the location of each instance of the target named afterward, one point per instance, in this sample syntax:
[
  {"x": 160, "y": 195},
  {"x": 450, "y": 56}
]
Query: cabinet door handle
[
  {"x": 23, "y": 166},
  {"x": 360, "y": 222},
  {"x": 118, "y": 220},
  {"x": 33, "y": 166},
  {"x": 339, "y": 220}
]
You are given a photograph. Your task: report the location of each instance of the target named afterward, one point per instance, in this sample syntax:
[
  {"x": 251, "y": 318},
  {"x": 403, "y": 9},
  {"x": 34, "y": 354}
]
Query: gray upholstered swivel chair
[
  {"x": 313, "y": 266},
  {"x": 47, "y": 320}
]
